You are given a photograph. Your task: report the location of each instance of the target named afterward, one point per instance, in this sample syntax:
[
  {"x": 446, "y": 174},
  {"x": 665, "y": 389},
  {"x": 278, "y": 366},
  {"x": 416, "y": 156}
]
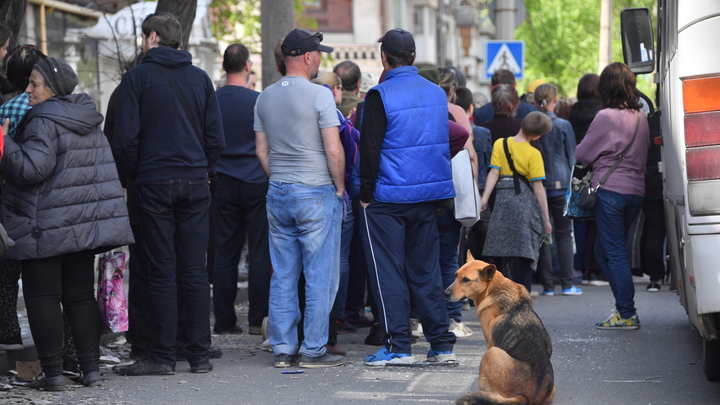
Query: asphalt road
[{"x": 658, "y": 364}]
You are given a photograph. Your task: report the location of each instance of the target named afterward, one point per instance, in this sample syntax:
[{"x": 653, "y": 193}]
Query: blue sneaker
[
  {"x": 572, "y": 291},
  {"x": 384, "y": 356},
  {"x": 436, "y": 356},
  {"x": 549, "y": 293}
]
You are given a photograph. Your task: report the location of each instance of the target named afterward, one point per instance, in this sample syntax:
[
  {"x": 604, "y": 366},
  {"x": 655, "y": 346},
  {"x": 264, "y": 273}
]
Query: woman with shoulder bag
[
  {"x": 63, "y": 203},
  {"x": 621, "y": 127}
]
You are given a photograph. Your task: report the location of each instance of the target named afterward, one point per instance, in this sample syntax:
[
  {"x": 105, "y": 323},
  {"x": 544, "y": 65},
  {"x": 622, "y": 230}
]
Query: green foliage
[
  {"x": 562, "y": 39},
  {"x": 239, "y": 21}
]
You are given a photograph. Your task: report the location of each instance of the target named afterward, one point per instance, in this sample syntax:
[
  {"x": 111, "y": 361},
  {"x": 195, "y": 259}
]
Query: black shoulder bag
[
  {"x": 588, "y": 194},
  {"x": 517, "y": 177}
]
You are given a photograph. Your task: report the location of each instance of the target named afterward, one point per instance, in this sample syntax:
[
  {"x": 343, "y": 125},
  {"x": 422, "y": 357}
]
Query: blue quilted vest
[{"x": 415, "y": 156}]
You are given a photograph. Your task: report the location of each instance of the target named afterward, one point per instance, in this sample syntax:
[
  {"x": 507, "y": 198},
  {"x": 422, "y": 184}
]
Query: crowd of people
[{"x": 340, "y": 185}]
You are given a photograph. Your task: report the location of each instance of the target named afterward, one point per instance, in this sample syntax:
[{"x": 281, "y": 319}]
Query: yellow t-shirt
[{"x": 527, "y": 159}]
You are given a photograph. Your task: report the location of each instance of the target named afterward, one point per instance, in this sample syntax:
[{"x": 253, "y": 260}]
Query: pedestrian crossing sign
[{"x": 508, "y": 55}]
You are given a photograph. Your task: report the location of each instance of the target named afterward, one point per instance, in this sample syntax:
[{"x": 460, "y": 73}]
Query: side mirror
[{"x": 637, "y": 40}]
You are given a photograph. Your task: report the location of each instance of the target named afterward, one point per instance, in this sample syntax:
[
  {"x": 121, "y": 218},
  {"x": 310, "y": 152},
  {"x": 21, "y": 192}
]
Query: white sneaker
[
  {"x": 266, "y": 346},
  {"x": 435, "y": 356},
  {"x": 459, "y": 329}
]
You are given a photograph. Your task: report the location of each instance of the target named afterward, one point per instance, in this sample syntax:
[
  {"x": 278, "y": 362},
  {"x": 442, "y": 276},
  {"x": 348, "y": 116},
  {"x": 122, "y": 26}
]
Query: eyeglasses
[{"x": 250, "y": 62}]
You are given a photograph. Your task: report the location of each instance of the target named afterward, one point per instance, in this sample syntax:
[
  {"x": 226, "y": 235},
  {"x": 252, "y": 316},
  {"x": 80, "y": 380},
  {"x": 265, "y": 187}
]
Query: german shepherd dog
[{"x": 516, "y": 368}]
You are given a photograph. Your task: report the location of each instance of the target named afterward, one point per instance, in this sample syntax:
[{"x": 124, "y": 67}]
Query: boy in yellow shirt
[{"x": 520, "y": 218}]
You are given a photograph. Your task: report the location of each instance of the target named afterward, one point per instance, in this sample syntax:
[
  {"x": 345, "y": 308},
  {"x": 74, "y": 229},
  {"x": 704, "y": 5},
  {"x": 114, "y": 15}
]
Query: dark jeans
[
  {"x": 58, "y": 284},
  {"x": 614, "y": 214},
  {"x": 240, "y": 212},
  {"x": 562, "y": 232},
  {"x": 140, "y": 329},
  {"x": 174, "y": 213},
  {"x": 449, "y": 235}
]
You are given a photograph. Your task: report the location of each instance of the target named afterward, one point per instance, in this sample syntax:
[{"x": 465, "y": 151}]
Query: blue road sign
[{"x": 508, "y": 55}]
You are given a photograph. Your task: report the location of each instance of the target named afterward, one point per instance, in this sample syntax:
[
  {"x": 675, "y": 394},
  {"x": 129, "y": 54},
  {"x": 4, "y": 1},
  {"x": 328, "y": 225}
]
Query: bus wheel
[{"x": 711, "y": 359}]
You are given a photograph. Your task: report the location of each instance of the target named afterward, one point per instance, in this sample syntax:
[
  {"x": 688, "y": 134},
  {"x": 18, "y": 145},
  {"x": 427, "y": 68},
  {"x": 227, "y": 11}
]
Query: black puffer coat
[{"x": 62, "y": 192}]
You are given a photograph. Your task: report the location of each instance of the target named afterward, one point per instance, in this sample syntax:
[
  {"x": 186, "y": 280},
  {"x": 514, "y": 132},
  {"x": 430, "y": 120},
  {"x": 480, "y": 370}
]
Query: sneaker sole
[
  {"x": 597, "y": 283},
  {"x": 572, "y": 294},
  {"x": 321, "y": 364},
  {"x": 393, "y": 362},
  {"x": 619, "y": 327}
]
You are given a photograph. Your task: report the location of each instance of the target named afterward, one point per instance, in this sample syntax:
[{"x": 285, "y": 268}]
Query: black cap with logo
[
  {"x": 398, "y": 42},
  {"x": 299, "y": 42}
]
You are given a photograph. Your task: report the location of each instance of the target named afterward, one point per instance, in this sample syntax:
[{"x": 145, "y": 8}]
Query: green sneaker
[{"x": 616, "y": 321}]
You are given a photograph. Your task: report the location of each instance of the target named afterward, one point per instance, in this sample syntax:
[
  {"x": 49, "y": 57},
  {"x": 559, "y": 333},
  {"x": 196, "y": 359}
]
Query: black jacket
[
  {"x": 582, "y": 115},
  {"x": 154, "y": 138},
  {"x": 62, "y": 193}
]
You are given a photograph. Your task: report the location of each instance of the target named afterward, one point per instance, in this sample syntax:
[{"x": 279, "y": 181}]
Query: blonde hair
[
  {"x": 329, "y": 78},
  {"x": 544, "y": 95}
]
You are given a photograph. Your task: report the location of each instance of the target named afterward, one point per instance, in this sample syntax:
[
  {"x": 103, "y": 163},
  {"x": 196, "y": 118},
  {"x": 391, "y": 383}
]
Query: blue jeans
[
  {"x": 304, "y": 226},
  {"x": 614, "y": 213},
  {"x": 175, "y": 228},
  {"x": 240, "y": 212},
  {"x": 449, "y": 233}
]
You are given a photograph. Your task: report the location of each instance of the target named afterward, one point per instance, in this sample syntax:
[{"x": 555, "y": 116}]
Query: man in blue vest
[{"x": 404, "y": 173}]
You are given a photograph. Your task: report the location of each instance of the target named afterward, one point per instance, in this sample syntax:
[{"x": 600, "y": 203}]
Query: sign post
[{"x": 509, "y": 55}]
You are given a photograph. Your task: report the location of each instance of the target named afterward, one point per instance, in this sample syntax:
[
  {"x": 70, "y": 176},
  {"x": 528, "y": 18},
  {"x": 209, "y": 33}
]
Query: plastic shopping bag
[{"x": 110, "y": 292}]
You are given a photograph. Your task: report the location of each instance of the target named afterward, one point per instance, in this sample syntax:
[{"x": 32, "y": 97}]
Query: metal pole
[
  {"x": 606, "y": 14},
  {"x": 277, "y": 18},
  {"x": 43, "y": 30},
  {"x": 505, "y": 17}
]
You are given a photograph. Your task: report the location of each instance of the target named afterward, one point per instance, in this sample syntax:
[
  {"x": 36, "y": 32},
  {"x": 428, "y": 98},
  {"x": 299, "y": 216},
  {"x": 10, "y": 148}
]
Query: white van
[{"x": 686, "y": 61}]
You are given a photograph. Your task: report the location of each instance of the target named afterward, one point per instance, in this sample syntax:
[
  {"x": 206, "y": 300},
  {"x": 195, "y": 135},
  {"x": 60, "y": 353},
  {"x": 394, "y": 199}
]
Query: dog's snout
[{"x": 449, "y": 292}]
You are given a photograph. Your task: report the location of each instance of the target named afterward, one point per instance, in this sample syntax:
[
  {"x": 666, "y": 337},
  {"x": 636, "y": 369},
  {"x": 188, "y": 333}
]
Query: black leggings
[
  {"x": 58, "y": 284},
  {"x": 520, "y": 272}
]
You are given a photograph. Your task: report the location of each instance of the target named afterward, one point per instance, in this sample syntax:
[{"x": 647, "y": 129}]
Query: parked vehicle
[{"x": 687, "y": 72}]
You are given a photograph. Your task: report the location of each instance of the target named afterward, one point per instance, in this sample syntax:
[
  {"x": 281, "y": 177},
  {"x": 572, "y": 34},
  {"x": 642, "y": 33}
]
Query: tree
[
  {"x": 12, "y": 14},
  {"x": 184, "y": 10},
  {"x": 562, "y": 40}
]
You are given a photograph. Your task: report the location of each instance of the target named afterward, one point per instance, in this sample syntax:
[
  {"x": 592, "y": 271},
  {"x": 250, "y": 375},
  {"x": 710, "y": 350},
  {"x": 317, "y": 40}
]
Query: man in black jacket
[{"x": 168, "y": 131}]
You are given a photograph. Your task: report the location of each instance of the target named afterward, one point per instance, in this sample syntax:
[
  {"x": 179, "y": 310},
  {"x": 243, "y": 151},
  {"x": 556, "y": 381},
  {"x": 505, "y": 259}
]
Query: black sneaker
[
  {"x": 653, "y": 287},
  {"x": 147, "y": 367},
  {"x": 284, "y": 360},
  {"x": 201, "y": 368},
  {"x": 376, "y": 337},
  {"x": 344, "y": 326},
  {"x": 326, "y": 360},
  {"x": 56, "y": 383}
]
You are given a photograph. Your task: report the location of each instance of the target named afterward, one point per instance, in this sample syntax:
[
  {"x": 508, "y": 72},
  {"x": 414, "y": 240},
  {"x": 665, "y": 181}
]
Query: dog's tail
[{"x": 489, "y": 398}]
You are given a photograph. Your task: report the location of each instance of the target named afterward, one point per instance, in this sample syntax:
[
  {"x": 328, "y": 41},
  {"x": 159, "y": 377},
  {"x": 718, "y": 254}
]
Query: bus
[{"x": 685, "y": 60}]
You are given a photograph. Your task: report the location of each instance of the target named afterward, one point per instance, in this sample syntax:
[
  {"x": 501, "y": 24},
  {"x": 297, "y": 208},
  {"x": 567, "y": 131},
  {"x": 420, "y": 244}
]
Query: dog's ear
[
  {"x": 488, "y": 272},
  {"x": 470, "y": 256}
]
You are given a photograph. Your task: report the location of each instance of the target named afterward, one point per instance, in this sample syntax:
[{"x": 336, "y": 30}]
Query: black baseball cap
[
  {"x": 397, "y": 40},
  {"x": 299, "y": 42}
]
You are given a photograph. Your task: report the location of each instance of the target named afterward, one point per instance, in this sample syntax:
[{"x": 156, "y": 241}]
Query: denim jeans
[
  {"x": 449, "y": 233},
  {"x": 241, "y": 211},
  {"x": 304, "y": 226},
  {"x": 56, "y": 285},
  {"x": 346, "y": 237},
  {"x": 174, "y": 223},
  {"x": 562, "y": 232},
  {"x": 614, "y": 213}
]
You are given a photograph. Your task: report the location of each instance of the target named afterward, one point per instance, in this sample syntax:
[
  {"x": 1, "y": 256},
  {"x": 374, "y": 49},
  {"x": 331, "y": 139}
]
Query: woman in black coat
[{"x": 63, "y": 203}]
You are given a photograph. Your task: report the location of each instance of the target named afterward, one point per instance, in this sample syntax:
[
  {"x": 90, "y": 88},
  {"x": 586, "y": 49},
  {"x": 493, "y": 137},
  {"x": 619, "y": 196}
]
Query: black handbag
[{"x": 588, "y": 193}]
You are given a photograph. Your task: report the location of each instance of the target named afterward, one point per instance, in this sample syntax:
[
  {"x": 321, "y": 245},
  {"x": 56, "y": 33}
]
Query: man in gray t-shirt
[{"x": 298, "y": 145}]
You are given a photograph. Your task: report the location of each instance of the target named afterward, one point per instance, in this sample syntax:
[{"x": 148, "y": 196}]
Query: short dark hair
[
  {"x": 617, "y": 87},
  {"x": 463, "y": 97},
  {"x": 19, "y": 65},
  {"x": 349, "y": 73},
  {"x": 536, "y": 124},
  {"x": 588, "y": 86},
  {"x": 5, "y": 34},
  {"x": 235, "y": 58},
  {"x": 502, "y": 76},
  {"x": 166, "y": 26},
  {"x": 504, "y": 100},
  {"x": 404, "y": 59}
]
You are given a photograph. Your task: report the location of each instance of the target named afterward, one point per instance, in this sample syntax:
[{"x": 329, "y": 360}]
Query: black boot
[
  {"x": 376, "y": 336},
  {"x": 56, "y": 383}
]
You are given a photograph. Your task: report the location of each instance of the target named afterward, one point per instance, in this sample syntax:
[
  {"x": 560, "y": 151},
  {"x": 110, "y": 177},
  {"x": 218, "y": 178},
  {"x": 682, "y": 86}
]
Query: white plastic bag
[{"x": 467, "y": 196}]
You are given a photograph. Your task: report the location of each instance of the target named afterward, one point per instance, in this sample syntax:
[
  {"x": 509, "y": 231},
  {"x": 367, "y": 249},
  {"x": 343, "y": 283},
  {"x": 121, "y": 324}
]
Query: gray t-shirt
[{"x": 291, "y": 112}]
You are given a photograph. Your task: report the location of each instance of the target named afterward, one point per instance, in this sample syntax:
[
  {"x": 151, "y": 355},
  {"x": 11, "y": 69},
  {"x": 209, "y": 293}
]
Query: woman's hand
[{"x": 548, "y": 228}]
